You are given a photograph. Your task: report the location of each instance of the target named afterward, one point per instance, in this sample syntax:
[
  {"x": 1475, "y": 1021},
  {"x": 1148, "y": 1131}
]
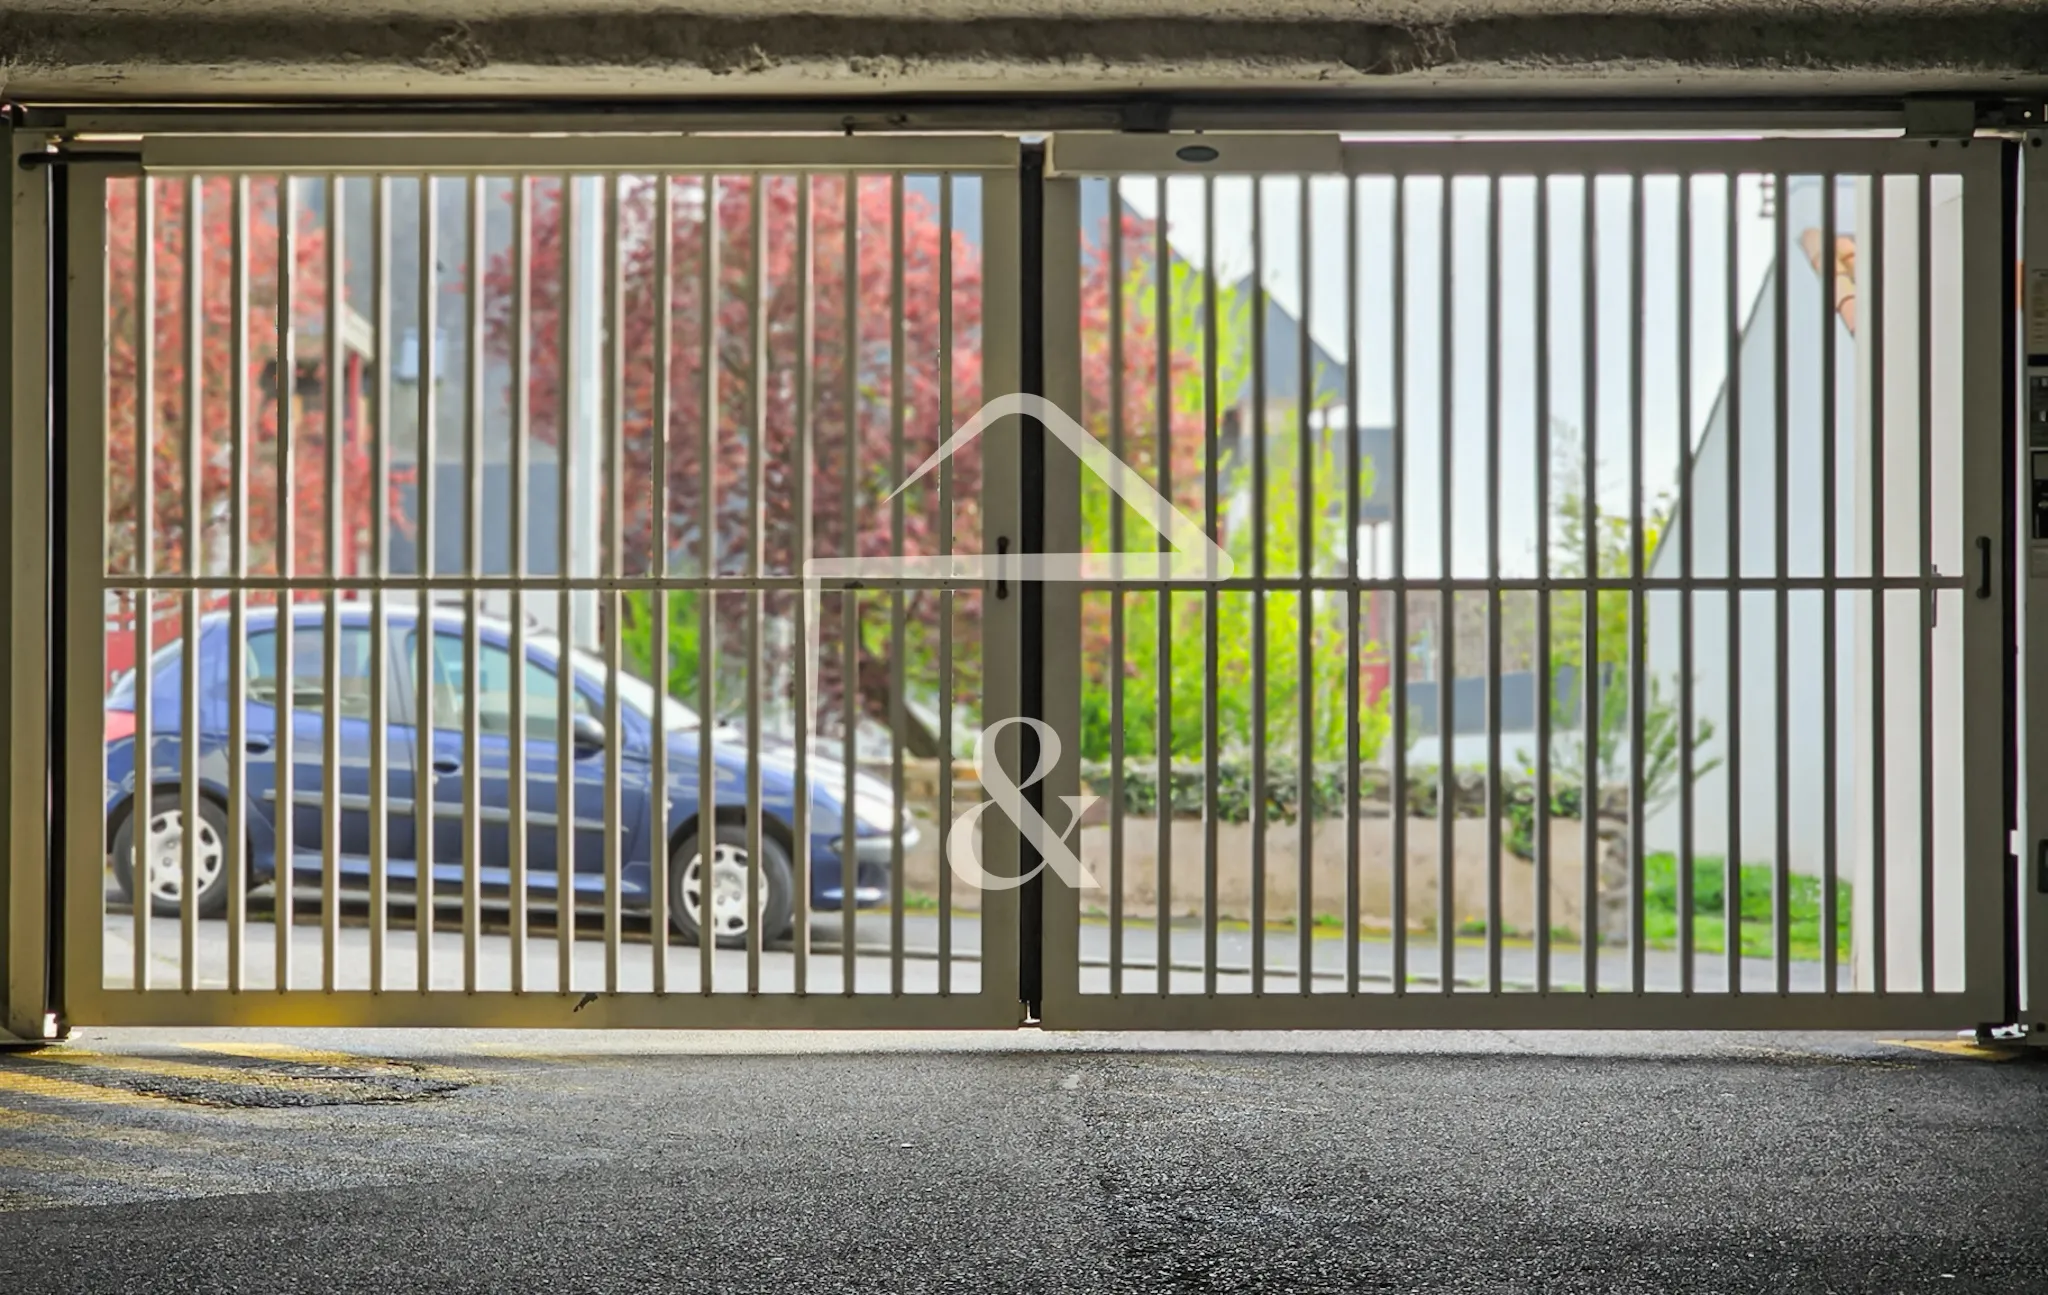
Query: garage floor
[{"x": 265, "y": 1161}]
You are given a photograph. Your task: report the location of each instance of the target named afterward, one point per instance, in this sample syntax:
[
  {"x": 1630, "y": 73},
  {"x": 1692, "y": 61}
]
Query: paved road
[
  {"x": 348, "y": 1162},
  {"x": 1139, "y": 957}
]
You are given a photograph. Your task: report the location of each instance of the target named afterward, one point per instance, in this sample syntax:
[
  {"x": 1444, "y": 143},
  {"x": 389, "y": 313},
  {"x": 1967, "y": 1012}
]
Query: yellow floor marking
[
  {"x": 17, "y": 1081},
  {"x": 70, "y": 1128},
  {"x": 318, "y": 1057},
  {"x": 1960, "y": 1048}
]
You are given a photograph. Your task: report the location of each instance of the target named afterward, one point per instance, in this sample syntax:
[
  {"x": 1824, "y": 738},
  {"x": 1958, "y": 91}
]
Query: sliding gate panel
[
  {"x": 1611, "y": 633},
  {"x": 439, "y": 514}
]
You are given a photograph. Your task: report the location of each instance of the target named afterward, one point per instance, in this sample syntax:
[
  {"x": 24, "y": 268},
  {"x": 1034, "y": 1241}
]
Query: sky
[{"x": 1663, "y": 427}]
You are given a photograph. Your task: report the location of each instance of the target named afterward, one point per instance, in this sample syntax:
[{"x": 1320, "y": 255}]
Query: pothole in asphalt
[{"x": 281, "y": 1085}]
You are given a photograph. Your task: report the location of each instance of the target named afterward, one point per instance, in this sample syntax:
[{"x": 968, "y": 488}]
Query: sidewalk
[{"x": 1138, "y": 956}]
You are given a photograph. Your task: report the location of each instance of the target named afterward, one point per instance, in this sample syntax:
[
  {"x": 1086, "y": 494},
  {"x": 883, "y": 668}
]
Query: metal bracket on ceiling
[
  {"x": 1146, "y": 118},
  {"x": 1939, "y": 119},
  {"x": 1962, "y": 118}
]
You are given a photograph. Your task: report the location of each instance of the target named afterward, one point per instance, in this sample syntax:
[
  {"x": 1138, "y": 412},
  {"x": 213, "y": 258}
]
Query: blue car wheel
[
  {"x": 163, "y": 857},
  {"x": 727, "y": 874}
]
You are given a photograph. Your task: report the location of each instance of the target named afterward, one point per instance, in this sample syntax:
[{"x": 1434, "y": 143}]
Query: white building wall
[
  {"x": 1753, "y": 521},
  {"x": 1861, "y": 802}
]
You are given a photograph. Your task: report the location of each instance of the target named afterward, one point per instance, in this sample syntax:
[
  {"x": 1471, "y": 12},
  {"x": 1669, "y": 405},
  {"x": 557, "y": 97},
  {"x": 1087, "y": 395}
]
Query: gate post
[
  {"x": 25, "y": 1006},
  {"x": 2032, "y": 590}
]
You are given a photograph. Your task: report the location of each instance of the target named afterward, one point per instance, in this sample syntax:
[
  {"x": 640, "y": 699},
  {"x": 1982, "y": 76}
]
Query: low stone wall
[{"x": 1327, "y": 865}]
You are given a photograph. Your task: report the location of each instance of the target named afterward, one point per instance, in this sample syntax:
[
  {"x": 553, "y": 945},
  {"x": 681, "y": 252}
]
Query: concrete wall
[
  {"x": 609, "y": 48},
  {"x": 1234, "y": 889}
]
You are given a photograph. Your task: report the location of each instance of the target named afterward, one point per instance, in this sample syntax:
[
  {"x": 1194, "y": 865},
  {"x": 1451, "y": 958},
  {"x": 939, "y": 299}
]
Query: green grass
[
  {"x": 1758, "y": 932},
  {"x": 1660, "y": 912}
]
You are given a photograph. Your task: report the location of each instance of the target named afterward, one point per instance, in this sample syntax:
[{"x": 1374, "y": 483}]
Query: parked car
[{"x": 875, "y": 822}]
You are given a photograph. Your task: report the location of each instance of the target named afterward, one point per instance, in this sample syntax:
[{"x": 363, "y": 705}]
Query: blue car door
[
  {"x": 350, "y": 702},
  {"x": 487, "y": 698},
  {"x": 547, "y": 750},
  {"x": 492, "y": 703}
]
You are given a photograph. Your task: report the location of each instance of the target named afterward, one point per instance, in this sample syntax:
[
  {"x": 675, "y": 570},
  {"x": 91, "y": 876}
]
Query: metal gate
[
  {"x": 1651, "y": 488},
  {"x": 1522, "y": 583},
  {"x": 463, "y": 462}
]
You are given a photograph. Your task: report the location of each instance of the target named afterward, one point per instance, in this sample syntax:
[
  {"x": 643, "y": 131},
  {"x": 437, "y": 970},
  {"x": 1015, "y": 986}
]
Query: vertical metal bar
[
  {"x": 287, "y": 520},
  {"x": 945, "y": 364},
  {"x": 473, "y": 566},
  {"x": 709, "y": 292},
  {"x": 896, "y": 599},
  {"x": 1304, "y": 619},
  {"x": 195, "y": 565},
  {"x": 522, "y": 426},
  {"x": 896, "y": 639},
  {"x": 1258, "y": 595},
  {"x": 1638, "y": 634},
  {"x": 657, "y": 598},
  {"x": 1685, "y": 505},
  {"x": 849, "y": 601},
  {"x": 380, "y": 568},
  {"x": 1114, "y": 666},
  {"x": 423, "y": 615},
  {"x": 1830, "y": 572},
  {"x": 806, "y": 413},
  {"x": 615, "y": 551},
  {"x": 565, "y": 678},
  {"x": 1162, "y": 413},
  {"x": 1397, "y": 653},
  {"x": 1546, "y": 671},
  {"x": 1731, "y": 865},
  {"x": 1447, "y": 623},
  {"x": 1590, "y": 703},
  {"x": 1493, "y": 593},
  {"x": 1781, "y": 871},
  {"x": 1923, "y": 572},
  {"x": 143, "y": 815},
  {"x": 335, "y": 434},
  {"x": 757, "y": 409},
  {"x": 238, "y": 566},
  {"x": 1211, "y": 449},
  {"x": 1352, "y": 753},
  {"x": 1880, "y": 567}
]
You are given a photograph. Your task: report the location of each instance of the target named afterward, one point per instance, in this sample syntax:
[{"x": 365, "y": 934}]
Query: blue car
[{"x": 876, "y": 824}]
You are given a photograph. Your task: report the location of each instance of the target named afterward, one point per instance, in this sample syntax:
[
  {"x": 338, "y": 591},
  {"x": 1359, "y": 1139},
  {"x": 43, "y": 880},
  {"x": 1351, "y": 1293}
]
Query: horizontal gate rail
[{"x": 399, "y": 154}]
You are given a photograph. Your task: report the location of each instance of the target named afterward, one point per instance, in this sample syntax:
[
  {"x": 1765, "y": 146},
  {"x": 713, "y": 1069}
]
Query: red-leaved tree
[
  {"x": 200, "y": 545},
  {"x": 854, "y": 400}
]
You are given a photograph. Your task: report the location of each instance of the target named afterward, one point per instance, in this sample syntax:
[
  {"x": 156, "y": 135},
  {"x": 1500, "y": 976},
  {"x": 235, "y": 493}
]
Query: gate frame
[
  {"x": 30, "y": 974},
  {"x": 272, "y": 148},
  {"x": 28, "y": 983},
  {"x": 1984, "y": 416}
]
